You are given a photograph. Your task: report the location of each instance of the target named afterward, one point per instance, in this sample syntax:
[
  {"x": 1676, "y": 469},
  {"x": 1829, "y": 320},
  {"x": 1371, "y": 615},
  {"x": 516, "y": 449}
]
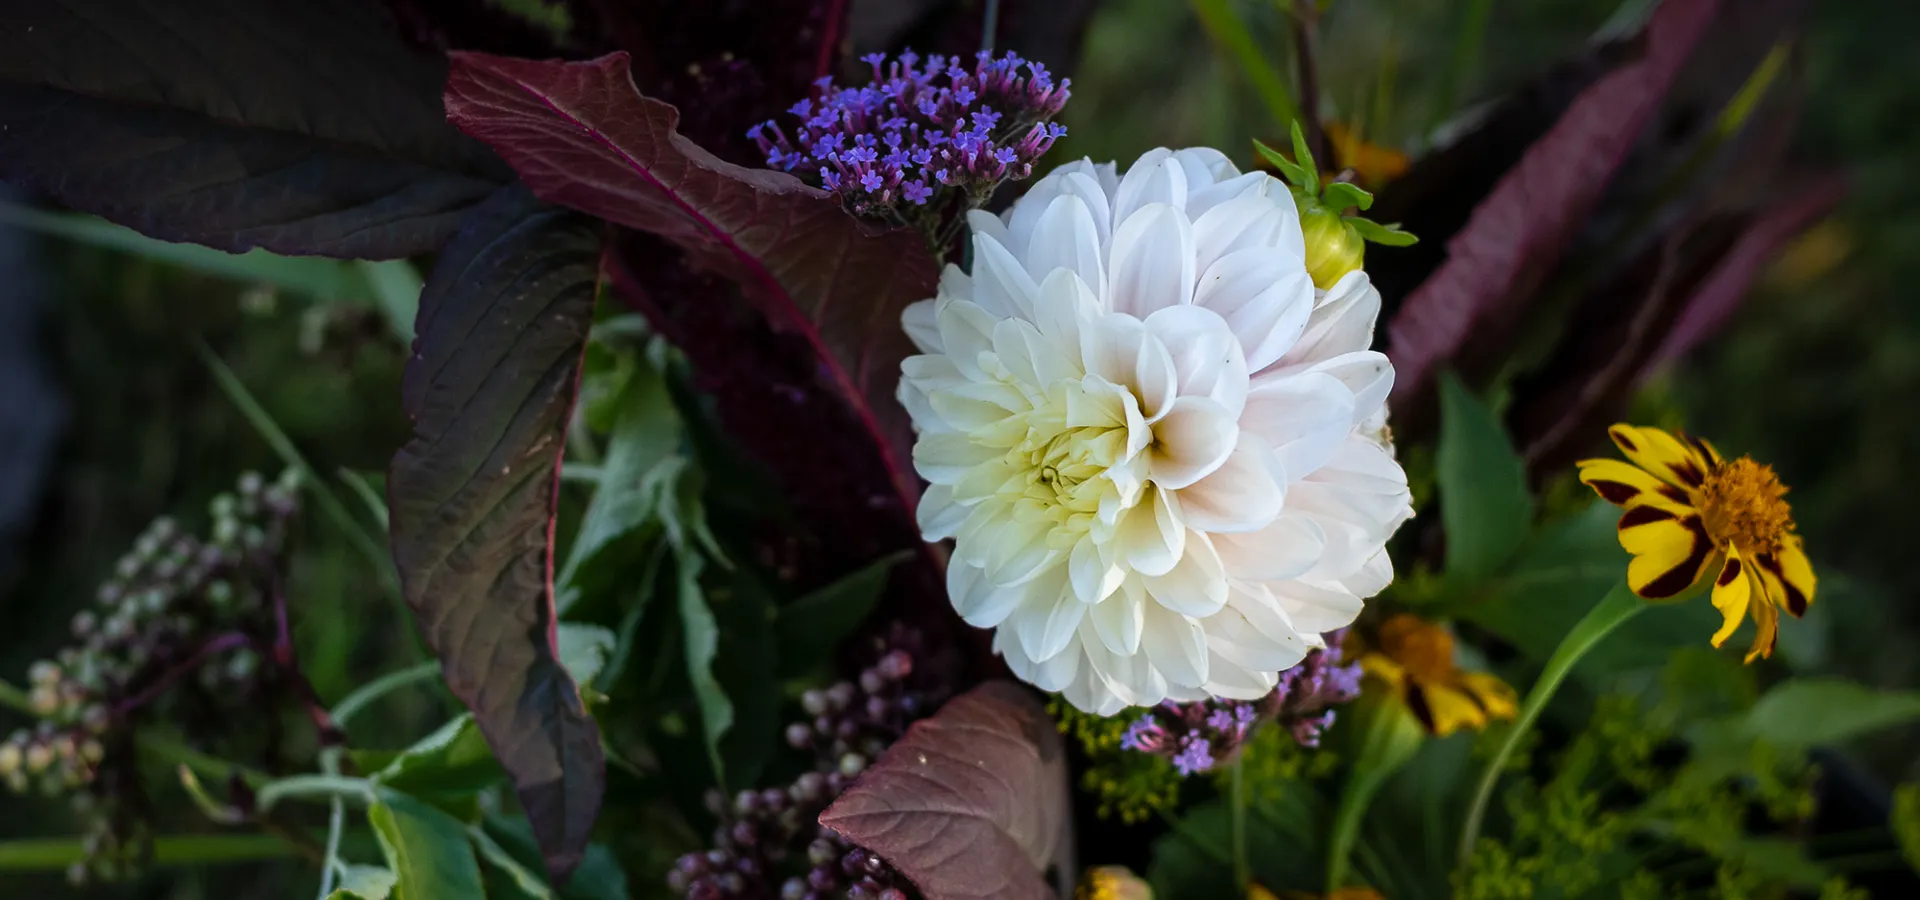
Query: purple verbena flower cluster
[
  {"x": 921, "y": 127},
  {"x": 1200, "y": 735}
]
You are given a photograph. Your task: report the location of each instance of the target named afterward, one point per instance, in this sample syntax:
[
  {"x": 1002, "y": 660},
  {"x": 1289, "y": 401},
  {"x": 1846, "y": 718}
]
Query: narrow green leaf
[
  {"x": 362, "y": 486},
  {"x": 1294, "y": 174},
  {"x": 446, "y": 768},
  {"x": 807, "y": 630},
  {"x": 747, "y": 667},
  {"x": 584, "y": 650},
  {"x": 1227, "y": 30},
  {"x": 1342, "y": 194},
  {"x": 1484, "y": 503},
  {"x": 598, "y": 878},
  {"x": 395, "y": 285},
  {"x": 640, "y": 463},
  {"x": 1303, "y": 155},
  {"x": 521, "y": 881},
  {"x": 702, "y": 641},
  {"x": 426, "y": 848},
  {"x": 1389, "y": 736},
  {"x": 1384, "y": 235}
]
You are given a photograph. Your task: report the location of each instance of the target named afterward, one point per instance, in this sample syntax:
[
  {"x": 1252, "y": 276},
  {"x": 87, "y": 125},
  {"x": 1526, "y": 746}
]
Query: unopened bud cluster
[
  {"x": 179, "y": 608},
  {"x": 757, "y": 847}
]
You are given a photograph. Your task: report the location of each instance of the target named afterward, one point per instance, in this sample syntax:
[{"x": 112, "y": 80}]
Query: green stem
[
  {"x": 336, "y": 823},
  {"x": 309, "y": 786},
  {"x": 1346, "y": 823},
  {"x": 16, "y": 698},
  {"x": 1615, "y": 608},
  {"x": 1466, "y": 56},
  {"x": 380, "y": 687},
  {"x": 169, "y": 750},
  {"x": 47, "y": 854},
  {"x": 1389, "y": 736},
  {"x": 1242, "y": 872}
]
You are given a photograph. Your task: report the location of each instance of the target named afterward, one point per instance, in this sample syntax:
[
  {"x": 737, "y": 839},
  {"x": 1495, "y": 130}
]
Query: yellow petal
[
  {"x": 1766, "y": 620},
  {"x": 1661, "y": 454},
  {"x": 1670, "y": 552},
  {"x": 1625, "y": 485},
  {"x": 1732, "y": 594},
  {"x": 1447, "y": 710},
  {"x": 1495, "y": 696},
  {"x": 1788, "y": 576}
]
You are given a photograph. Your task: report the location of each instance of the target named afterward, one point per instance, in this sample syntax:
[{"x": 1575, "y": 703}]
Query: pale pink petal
[
  {"x": 1176, "y": 646},
  {"x": 1156, "y": 177},
  {"x": 1305, "y": 418},
  {"x": 1196, "y": 586},
  {"x": 1194, "y": 438},
  {"x": 1264, "y": 298},
  {"x": 1207, "y": 359},
  {"x": 1151, "y": 265},
  {"x": 1241, "y": 495}
]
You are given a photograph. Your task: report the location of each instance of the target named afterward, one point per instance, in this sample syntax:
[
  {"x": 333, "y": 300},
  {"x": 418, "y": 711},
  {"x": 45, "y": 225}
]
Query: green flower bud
[{"x": 1334, "y": 247}]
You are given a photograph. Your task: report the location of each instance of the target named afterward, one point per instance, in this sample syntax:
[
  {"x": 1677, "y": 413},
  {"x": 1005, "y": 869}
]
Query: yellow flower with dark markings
[
  {"x": 1691, "y": 513},
  {"x": 1414, "y": 659}
]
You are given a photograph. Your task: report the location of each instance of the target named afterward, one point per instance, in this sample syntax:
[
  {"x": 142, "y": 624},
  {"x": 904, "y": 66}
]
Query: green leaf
[
  {"x": 490, "y": 388},
  {"x": 446, "y": 768},
  {"x": 1805, "y": 712},
  {"x": 1389, "y": 736},
  {"x": 366, "y": 882},
  {"x": 1385, "y": 235},
  {"x": 1484, "y": 503},
  {"x": 747, "y": 667},
  {"x": 598, "y": 878},
  {"x": 584, "y": 650},
  {"x": 1190, "y": 863},
  {"x": 426, "y": 848},
  {"x": 1227, "y": 29},
  {"x": 519, "y": 882},
  {"x": 641, "y": 463},
  {"x": 1303, "y": 155},
  {"x": 701, "y": 636},
  {"x": 1293, "y": 173},
  {"x": 807, "y": 630},
  {"x": 1342, "y": 194}
]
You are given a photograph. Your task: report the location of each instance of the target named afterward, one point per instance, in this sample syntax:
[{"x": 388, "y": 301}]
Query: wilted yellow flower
[
  {"x": 1113, "y": 883},
  {"x": 1414, "y": 658},
  {"x": 1690, "y": 512},
  {"x": 1372, "y": 164}
]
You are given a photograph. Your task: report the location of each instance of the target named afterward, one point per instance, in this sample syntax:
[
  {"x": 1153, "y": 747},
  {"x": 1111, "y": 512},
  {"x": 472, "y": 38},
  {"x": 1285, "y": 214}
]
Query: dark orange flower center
[
  {"x": 1741, "y": 502},
  {"x": 1424, "y": 649}
]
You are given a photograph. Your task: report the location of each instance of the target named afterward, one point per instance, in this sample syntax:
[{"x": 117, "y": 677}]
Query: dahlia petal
[
  {"x": 977, "y": 405},
  {"x": 981, "y": 222},
  {"x": 1095, "y": 577},
  {"x": 1368, "y": 375},
  {"x": 1029, "y": 358},
  {"x": 1203, "y": 166},
  {"x": 1065, "y": 238},
  {"x": 1196, "y": 585},
  {"x": 919, "y": 409},
  {"x": 1237, "y": 682},
  {"x": 1099, "y": 205},
  {"x": 1119, "y": 349},
  {"x": 1229, "y": 227},
  {"x": 1287, "y": 547},
  {"x": 1062, "y": 312},
  {"x": 1151, "y": 265},
  {"x": 1176, "y": 646},
  {"x": 1207, "y": 359},
  {"x": 1264, "y": 299},
  {"x": 921, "y": 326},
  {"x": 1156, "y": 177},
  {"x": 1118, "y": 619},
  {"x": 1193, "y": 439},
  {"x": 1313, "y": 608},
  {"x": 1305, "y": 418},
  {"x": 1341, "y": 322},
  {"x": 1234, "y": 639},
  {"x": 1000, "y": 284},
  {"x": 966, "y": 330},
  {"x": 938, "y": 516},
  {"x": 944, "y": 458},
  {"x": 1240, "y": 496},
  {"x": 1019, "y": 552},
  {"x": 976, "y": 599},
  {"x": 1049, "y": 615},
  {"x": 1151, "y": 538},
  {"x": 1252, "y": 185},
  {"x": 1059, "y": 671}
]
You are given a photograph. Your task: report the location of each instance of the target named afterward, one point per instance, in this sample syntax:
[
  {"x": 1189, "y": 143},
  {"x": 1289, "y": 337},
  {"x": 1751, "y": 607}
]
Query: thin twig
[{"x": 221, "y": 644}]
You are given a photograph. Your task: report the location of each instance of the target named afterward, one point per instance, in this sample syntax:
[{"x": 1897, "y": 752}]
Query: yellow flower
[
  {"x": 1112, "y": 883},
  {"x": 1372, "y": 164},
  {"x": 1691, "y": 512},
  {"x": 1346, "y": 893},
  {"x": 1414, "y": 659}
]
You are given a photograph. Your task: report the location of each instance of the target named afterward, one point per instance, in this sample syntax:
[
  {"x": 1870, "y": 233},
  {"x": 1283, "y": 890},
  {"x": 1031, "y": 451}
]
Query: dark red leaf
[
  {"x": 1715, "y": 300},
  {"x": 971, "y": 803},
  {"x": 581, "y": 135},
  {"x": 502, "y": 328},
  {"x": 294, "y": 126},
  {"x": 1516, "y": 235}
]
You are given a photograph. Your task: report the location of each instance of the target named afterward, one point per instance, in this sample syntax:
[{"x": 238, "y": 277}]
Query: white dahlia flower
[{"x": 1161, "y": 451}]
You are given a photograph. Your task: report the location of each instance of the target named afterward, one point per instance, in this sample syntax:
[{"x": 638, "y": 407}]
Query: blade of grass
[
  {"x": 183, "y": 850},
  {"x": 1229, "y": 32},
  {"x": 376, "y": 505},
  {"x": 1467, "y": 43}
]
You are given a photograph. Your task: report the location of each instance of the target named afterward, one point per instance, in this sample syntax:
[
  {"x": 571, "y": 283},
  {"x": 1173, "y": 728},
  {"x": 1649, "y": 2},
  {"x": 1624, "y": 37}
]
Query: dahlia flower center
[{"x": 1741, "y": 502}]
